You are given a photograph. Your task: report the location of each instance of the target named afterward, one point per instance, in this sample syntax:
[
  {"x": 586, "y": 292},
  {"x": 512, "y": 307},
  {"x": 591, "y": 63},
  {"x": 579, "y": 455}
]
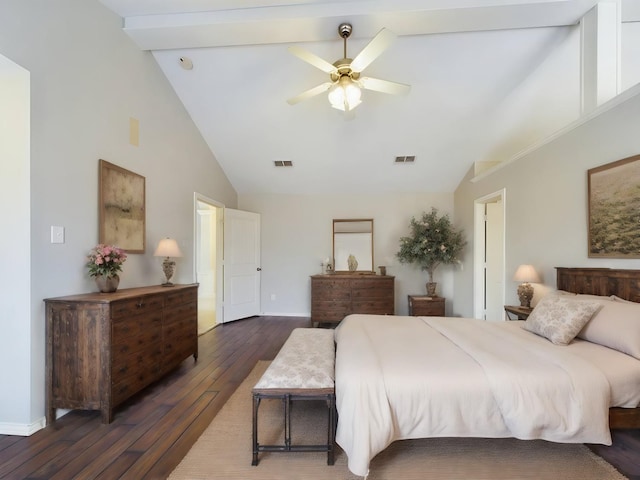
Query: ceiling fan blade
[
  {"x": 312, "y": 92},
  {"x": 313, "y": 59},
  {"x": 374, "y": 48},
  {"x": 384, "y": 86}
]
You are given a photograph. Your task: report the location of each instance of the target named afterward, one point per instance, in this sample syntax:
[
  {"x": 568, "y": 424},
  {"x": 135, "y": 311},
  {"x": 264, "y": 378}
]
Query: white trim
[
  {"x": 198, "y": 197},
  {"x": 287, "y": 314},
  {"x": 22, "y": 429}
]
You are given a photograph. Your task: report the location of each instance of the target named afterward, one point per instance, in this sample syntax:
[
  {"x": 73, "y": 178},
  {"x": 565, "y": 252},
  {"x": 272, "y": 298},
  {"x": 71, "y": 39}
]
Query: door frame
[
  {"x": 198, "y": 197},
  {"x": 479, "y": 245}
]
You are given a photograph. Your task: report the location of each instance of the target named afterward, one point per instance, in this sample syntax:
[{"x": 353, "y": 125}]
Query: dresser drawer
[
  {"x": 422, "y": 306},
  {"x": 180, "y": 297},
  {"x": 136, "y": 306},
  {"x": 125, "y": 366},
  {"x": 136, "y": 333},
  {"x": 332, "y": 288},
  {"x": 180, "y": 312},
  {"x": 373, "y": 306},
  {"x": 132, "y": 384}
]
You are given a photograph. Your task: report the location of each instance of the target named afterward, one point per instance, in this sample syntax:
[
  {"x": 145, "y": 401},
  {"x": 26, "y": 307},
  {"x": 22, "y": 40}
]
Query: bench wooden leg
[
  {"x": 331, "y": 441},
  {"x": 256, "y": 404}
]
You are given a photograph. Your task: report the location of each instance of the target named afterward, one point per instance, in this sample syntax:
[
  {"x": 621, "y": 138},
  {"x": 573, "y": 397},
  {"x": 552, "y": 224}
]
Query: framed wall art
[
  {"x": 614, "y": 209},
  {"x": 122, "y": 208}
]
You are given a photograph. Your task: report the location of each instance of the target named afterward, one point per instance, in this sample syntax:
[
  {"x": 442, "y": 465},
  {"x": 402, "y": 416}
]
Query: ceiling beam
[{"x": 308, "y": 21}]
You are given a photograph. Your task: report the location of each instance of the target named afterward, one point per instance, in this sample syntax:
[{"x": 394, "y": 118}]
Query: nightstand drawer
[{"x": 424, "y": 306}]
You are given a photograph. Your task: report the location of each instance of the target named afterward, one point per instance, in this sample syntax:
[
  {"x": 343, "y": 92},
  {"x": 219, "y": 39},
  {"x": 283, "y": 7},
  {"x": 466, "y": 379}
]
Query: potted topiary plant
[{"x": 433, "y": 241}]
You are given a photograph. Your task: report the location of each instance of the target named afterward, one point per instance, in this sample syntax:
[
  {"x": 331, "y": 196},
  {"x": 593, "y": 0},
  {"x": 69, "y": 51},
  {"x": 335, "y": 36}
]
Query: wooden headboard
[{"x": 600, "y": 281}]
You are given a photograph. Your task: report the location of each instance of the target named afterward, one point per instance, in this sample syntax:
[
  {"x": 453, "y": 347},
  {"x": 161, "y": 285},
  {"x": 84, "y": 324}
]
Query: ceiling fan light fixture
[{"x": 345, "y": 94}]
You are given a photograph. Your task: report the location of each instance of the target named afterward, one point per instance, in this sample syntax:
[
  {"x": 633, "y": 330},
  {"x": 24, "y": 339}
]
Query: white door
[
  {"x": 488, "y": 256},
  {"x": 494, "y": 261},
  {"x": 241, "y": 264}
]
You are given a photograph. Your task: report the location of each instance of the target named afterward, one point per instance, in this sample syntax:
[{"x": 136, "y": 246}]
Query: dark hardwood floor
[{"x": 153, "y": 431}]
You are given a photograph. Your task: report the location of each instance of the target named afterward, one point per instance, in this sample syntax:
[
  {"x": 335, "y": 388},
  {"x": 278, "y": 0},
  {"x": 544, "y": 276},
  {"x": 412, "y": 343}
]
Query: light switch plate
[{"x": 57, "y": 234}]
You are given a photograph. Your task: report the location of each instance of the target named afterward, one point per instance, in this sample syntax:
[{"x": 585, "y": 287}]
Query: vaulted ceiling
[{"x": 488, "y": 79}]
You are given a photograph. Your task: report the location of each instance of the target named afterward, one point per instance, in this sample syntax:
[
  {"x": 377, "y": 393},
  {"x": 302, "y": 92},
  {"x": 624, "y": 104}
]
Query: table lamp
[
  {"x": 168, "y": 248},
  {"x": 526, "y": 274}
]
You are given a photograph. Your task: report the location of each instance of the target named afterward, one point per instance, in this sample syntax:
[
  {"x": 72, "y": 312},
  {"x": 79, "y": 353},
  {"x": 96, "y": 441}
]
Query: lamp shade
[
  {"x": 167, "y": 247},
  {"x": 526, "y": 274}
]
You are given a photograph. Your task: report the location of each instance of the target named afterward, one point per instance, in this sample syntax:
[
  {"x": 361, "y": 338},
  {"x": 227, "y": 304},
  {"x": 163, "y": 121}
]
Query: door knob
[{"x": 259, "y": 269}]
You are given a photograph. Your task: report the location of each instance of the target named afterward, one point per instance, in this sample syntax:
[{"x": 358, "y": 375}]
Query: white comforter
[{"x": 416, "y": 377}]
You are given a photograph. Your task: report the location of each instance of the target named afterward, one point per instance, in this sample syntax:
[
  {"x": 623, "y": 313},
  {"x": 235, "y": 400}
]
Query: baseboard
[
  {"x": 289, "y": 314},
  {"x": 22, "y": 429}
]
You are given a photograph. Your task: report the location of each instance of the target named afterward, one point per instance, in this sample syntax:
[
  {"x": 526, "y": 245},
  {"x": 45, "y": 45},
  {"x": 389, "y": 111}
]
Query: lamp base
[
  {"x": 525, "y": 294},
  {"x": 168, "y": 268},
  {"x": 167, "y": 284}
]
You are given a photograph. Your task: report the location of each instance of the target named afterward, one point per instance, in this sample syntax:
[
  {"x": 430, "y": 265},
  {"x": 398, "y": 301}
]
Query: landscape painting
[
  {"x": 614, "y": 209},
  {"x": 122, "y": 208}
]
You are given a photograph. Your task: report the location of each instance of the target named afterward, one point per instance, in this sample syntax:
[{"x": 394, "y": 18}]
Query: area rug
[{"x": 224, "y": 451}]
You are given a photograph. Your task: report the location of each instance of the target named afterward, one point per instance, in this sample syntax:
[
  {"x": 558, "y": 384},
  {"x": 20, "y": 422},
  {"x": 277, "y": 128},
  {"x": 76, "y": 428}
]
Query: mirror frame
[{"x": 342, "y": 229}]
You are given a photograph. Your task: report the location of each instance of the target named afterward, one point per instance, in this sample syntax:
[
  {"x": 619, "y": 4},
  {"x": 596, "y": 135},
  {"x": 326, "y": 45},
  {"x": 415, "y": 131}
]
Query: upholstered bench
[{"x": 304, "y": 369}]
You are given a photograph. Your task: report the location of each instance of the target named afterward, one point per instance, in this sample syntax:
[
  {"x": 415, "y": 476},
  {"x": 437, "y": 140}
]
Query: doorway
[
  {"x": 208, "y": 265},
  {"x": 489, "y": 256}
]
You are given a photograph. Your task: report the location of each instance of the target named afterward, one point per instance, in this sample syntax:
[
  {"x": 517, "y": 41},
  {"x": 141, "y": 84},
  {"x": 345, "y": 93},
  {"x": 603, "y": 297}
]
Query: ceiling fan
[{"x": 346, "y": 82}]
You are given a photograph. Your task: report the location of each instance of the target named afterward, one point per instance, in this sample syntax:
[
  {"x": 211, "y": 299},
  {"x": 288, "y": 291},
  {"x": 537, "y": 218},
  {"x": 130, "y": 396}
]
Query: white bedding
[{"x": 416, "y": 377}]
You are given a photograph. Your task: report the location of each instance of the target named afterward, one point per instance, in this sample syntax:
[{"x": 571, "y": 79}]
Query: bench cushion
[{"x": 305, "y": 361}]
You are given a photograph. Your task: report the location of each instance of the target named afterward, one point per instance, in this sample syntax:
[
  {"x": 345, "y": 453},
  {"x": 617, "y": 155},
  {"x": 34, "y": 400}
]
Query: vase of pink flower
[{"x": 105, "y": 262}]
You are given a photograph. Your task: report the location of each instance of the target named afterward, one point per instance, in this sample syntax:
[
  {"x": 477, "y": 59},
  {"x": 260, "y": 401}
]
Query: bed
[{"x": 417, "y": 377}]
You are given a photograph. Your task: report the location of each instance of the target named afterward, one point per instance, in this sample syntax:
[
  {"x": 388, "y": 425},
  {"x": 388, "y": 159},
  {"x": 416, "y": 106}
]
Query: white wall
[
  {"x": 546, "y": 199},
  {"x": 15, "y": 253},
  {"x": 296, "y": 238},
  {"x": 87, "y": 80}
]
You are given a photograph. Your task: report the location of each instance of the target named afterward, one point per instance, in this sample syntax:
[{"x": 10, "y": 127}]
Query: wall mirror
[{"x": 353, "y": 237}]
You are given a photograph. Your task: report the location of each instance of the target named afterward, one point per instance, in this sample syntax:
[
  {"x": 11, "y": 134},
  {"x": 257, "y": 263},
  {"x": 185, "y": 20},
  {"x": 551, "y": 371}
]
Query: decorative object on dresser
[
  {"x": 521, "y": 313},
  {"x": 526, "y": 275},
  {"x": 122, "y": 207},
  {"x": 103, "y": 349},
  {"x": 352, "y": 263},
  {"x": 105, "y": 262},
  {"x": 333, "y": 297},
  {"x": 425, "y": 306},
  {"x": 168, "y": 248},
  {"x": 353, "y": 239},
  {"x": 433, "y": 241}
]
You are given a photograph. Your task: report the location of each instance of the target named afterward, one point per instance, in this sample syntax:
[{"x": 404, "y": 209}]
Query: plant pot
[
  {"x": 431, "y": 289},
  {"x": 107, "y": 284}
]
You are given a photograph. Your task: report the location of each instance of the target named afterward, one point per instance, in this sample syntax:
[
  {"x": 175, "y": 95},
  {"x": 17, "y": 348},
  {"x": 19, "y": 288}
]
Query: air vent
[
  {"x": 406, "y": 159},
  {"x": 283, "y": 163}
]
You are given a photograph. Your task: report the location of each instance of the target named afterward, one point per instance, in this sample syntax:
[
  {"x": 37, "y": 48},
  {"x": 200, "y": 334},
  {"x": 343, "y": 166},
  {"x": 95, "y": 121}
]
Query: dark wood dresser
[
  {"x": 425, "y": 306},
  {"x": 104, "y": 347},
  {"x": 335, "y": 296}
]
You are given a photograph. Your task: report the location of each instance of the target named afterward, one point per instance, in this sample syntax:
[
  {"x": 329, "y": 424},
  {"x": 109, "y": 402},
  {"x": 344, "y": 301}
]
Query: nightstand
[
  {"x": 424, "y": 306},
  {"x": 521, "y": 312}
]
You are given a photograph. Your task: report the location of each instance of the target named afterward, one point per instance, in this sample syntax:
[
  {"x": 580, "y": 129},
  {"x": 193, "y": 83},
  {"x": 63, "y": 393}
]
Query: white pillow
[
  {"x": 559, "y": 318},
  {"x": 616, "y": 325},
  {"x": 616, "y": 298}
]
